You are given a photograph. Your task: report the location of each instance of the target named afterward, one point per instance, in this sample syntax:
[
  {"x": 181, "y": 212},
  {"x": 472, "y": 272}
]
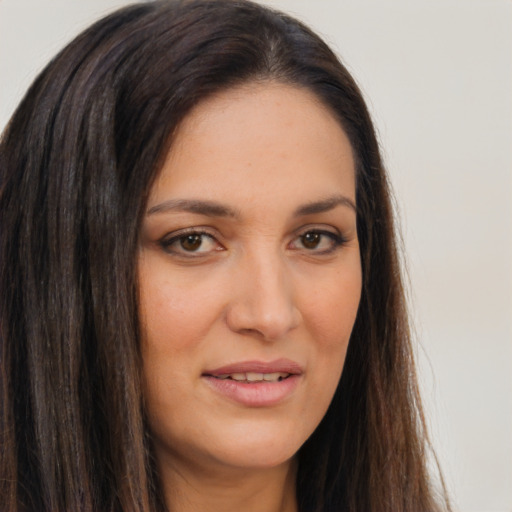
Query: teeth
[
  {"x": 273, "y": 377},
  {"x": 255, "y": 377}
]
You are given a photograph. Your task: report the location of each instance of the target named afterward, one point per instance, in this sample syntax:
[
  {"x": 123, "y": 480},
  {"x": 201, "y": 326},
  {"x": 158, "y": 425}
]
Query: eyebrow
[
  {"x": 325, "y": 205},
  {"x": 214, "y": 209},
  {"x": 208, "y": 208}
]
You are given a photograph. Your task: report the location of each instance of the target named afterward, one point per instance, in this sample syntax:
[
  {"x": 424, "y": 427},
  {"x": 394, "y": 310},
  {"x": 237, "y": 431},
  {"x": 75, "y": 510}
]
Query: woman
[{"x": 195, "y": 219}]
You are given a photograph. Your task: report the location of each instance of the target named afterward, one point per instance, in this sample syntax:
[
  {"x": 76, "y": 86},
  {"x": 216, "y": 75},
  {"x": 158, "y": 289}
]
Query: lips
[
  {"x": 255, "y": 376},
  {"x": 255, "y": 383},
  {"x": 257, "y": 367}
]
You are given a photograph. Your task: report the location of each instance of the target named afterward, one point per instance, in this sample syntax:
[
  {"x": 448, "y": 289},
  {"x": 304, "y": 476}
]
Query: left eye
[
  {"x": 190, "y": 243},
  {"x": 318, "y": 241}
]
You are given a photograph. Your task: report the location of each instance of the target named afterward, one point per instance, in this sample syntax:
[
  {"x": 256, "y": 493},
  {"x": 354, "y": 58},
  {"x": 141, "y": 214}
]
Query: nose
[{"x": 263, "y": 302}]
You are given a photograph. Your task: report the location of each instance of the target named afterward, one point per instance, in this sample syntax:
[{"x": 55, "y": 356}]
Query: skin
[{"x": 270, "y": 279}]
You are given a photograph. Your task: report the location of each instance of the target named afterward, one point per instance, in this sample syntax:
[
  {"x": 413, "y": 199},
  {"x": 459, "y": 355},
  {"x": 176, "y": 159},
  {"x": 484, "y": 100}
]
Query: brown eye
[
  {"x": 317, "y": 242},
  {"x": 311, "y": 240},
  {"x": 191, "y": 242}
]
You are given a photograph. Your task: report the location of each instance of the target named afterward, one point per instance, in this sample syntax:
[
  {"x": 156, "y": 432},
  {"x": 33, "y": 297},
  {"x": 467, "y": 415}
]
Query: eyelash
[
  {"x": 168, "y": 242},
  {"x": 336, "y": 240}
]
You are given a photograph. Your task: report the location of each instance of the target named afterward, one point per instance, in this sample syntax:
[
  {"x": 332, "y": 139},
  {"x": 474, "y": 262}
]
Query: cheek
[
  {"x": 331, "y": 309},
  {"x": 174, "y": 315},
  {"x": 330, "y": 319}
]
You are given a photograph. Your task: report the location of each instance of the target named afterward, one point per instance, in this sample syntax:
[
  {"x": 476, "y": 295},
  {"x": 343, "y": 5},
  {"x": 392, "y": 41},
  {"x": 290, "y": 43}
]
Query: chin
[
  {"x": 242, "y": 446},
  {"x": 259, "y": 458},
  {"x": 258, "y": 448}
]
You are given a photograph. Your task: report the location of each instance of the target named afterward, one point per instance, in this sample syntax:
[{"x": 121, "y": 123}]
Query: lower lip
[{"x": 255, "y": 394}]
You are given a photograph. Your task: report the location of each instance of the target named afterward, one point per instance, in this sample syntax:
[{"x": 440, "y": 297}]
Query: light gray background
[{"x": 438, "y": 77}]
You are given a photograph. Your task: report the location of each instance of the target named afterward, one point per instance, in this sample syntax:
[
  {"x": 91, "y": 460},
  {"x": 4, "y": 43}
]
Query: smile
[
  {"x": 255, "y": 383},
  {"x": 255, "y": 377}
]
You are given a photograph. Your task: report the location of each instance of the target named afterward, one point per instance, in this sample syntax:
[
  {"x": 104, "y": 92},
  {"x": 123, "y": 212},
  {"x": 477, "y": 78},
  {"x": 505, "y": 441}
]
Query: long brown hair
[{"x": 76, "y": 163}]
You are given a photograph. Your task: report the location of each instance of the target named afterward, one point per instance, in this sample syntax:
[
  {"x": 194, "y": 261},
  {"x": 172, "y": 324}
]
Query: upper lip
[{"x": 277, "y": 366}]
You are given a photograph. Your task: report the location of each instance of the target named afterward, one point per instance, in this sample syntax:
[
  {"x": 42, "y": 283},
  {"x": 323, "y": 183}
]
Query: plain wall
[{"x": 438, "y": 77}]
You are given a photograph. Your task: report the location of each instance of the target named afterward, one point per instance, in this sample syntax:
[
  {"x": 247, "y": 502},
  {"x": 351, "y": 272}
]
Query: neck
[{"x": 195, "y": 489}]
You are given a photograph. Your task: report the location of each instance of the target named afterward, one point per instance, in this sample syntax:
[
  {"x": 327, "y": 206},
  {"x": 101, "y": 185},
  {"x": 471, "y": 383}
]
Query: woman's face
[{"x": 250, "y": 278}]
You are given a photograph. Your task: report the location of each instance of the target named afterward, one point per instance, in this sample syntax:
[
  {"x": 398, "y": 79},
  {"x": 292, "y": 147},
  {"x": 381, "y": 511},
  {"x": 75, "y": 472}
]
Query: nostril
[
  {"x": 264, "y": 303},
  {"x": 269, "y": 328}
]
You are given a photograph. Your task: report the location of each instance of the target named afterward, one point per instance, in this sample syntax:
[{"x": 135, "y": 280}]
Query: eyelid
[
  {"x": 171, "y": 238},
  {"x": 337, "y": 238}
]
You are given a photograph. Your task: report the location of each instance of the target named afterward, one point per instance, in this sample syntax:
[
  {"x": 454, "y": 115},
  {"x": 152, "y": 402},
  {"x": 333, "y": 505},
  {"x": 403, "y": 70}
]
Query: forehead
[{"x": 256, "y": 140}]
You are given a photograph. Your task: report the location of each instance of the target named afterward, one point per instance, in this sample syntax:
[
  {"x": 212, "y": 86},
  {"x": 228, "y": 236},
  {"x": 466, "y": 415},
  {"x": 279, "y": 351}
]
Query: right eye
[{"x": 190, "y": 243}]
